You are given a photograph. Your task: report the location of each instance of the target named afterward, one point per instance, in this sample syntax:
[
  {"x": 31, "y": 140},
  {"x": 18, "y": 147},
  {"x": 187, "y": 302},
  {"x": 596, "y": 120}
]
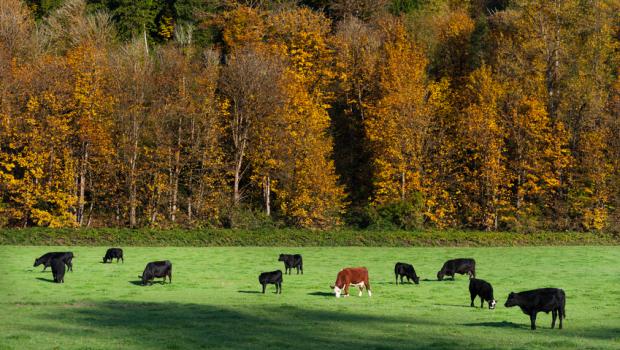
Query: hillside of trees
[{"x": 482, "y": 114}]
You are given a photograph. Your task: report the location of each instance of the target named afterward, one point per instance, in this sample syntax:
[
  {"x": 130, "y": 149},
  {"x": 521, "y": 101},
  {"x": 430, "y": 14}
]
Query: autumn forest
[{"x": 411, "y": 114}]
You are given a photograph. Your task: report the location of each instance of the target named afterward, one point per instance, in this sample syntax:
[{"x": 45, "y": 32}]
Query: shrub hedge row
[{"x": 292, "y": 237}]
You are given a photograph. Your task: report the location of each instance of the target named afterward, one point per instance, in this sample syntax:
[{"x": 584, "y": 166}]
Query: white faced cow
[{"x": 355, "y": 276}]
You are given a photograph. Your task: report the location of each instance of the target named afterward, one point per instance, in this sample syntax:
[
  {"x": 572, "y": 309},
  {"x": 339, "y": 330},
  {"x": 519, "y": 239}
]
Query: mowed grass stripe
[{"x": 214, "y": 300}]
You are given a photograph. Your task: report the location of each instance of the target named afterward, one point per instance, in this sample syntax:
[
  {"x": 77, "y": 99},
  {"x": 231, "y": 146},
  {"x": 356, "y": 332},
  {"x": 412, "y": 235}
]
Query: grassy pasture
[{"x": 214, "y": 300}]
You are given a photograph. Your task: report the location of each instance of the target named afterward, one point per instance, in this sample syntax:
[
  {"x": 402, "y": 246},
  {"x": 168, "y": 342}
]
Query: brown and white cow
[{"x": 356, "y": 276}]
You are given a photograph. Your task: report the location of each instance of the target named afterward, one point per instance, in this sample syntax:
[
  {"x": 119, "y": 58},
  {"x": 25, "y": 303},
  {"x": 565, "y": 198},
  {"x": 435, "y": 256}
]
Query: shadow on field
[
  {"x": 249, "y": 291},
  {"x": 503, "y": 324},
  {"x": 192, "y": 326},
  {"x": 139, "y": 283},
  {"x": 454, "y": 305},
  {"x": 321, "y": 294},
  {"x": 46, "y": 279},
  {"x": 435, "y": 280}
]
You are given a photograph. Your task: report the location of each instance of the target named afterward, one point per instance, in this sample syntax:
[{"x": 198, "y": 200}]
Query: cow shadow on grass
[
  {"x": 502, "y": 324},
  {"x": 139, "y": 283},
  {"x": 321, "y": 294},
  {"x": 51, "y": 280},
  {"x": 454, "y": 305},
  {"x": 249, "y": 291},
  {"x": 436, "y": 280}
]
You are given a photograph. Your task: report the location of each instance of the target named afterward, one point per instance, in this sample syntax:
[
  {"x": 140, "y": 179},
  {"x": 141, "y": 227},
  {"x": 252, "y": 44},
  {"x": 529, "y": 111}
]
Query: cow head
[
  {"x": 337, "y": 291},
  {"x": 37, "y": 262},
  {"x": 146, "y": 277},
  {"x": 511, "y": 301},
  {"x": 492, "y": 304},
  {"x": 105, "y": 260},
  {"x": 416, "y": 279},
  {"x": 281, "y": 258},
  {"x": 440, "y": 275}
]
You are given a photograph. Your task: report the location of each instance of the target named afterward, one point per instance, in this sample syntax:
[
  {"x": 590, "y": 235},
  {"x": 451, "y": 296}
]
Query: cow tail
[
  {"x": 563, "y": 304},
  {"x": 564, "y": 308}
]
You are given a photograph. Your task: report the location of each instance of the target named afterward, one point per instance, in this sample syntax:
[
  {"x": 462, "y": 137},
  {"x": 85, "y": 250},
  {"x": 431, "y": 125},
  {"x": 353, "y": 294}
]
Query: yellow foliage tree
[
  {"x": 482, "y": 177},
  {"x": 37, "y": 170},
  {"x": 91, "y": 106},
  {"x": 396, "y": 127}
]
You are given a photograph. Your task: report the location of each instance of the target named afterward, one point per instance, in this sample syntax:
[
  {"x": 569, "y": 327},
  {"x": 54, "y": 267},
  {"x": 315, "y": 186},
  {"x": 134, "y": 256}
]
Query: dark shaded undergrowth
[{"x": 293, "y": 237}]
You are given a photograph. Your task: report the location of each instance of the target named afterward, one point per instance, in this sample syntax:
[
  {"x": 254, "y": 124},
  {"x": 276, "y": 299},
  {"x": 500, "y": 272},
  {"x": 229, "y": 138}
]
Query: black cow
[
  {"x": 484, "y": 290},
  {"x": 406, "y": 270},
  {"x": 157, "y": 269},
  {"x": 292, "y": 261},
  {"x": 460, "y": 266},
  {"x": 58, "y": 270},
  {"x": 534, "y": 301},
  {"x": 113, "y": 253},
  {"x": 273, "y": 277},
  {"x": 46, "y": 259}
]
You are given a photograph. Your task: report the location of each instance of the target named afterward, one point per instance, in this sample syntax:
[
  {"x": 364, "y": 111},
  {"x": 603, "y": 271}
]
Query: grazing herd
[{"x": 531, "y": 302}]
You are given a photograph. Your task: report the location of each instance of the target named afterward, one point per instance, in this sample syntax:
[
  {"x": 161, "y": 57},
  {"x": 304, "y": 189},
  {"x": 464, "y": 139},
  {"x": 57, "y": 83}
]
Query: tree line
[{"x": 484, "y": 114}]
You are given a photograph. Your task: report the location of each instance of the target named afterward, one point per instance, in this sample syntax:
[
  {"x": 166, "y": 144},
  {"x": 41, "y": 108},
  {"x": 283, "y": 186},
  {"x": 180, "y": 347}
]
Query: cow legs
[
  {"x": 473, "y": 297},
  {"x": 297, "y": 267},
  {"x": 280, "y": 286},
  {"x": 561, "y": 315},
  {"x": 533, "y": 321},
  {"x": 361, "y": 287},
  {"x": 368, "y": 288},
  {"x": 554, "y": 315},
  {"x": 263, "y": 288},
  {"x": 301, "y": 267},
  {"x": 481, "y": 302}
]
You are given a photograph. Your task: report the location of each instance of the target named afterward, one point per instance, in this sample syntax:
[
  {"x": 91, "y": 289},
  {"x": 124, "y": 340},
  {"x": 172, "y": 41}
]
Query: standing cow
[
  {"x": 58, "y": 270},
  {"x": 534, "y": 301},
  {"x": 355, "y": 276},
  {"x": 292, "y": 261},
  {"x": 484, "y": 290},
  {"x": 113, "y": 253},
  {"x": 460, "y": 266},
  {"x": 156, "y": 269},
  {"x": 46, "y": 259},
  {"x": 405, "y": 270},
  {"x": 273, "y": 277}
]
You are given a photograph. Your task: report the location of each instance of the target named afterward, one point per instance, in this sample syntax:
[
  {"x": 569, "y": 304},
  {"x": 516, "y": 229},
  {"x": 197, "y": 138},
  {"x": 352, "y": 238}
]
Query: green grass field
[{"x": 214, "y": 300}]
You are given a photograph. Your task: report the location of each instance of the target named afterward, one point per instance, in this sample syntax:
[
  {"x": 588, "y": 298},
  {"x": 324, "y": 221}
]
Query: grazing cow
[
  {"x": 356, "y": 276},
  {"x": 157, "y": 269},
  {"x": 484, "y": 290},
  {"x": 460, "y": 266},
  {"x": 406, "y": 270},
  {"x": 46, "y": 259},
  {"x": 292, "y": 261},
  {"x": 534, "y": 301},
  {"x": 113, "y": 253},
  {"x": 58, "y": 270},
  {"x": 273, "y": 277}
]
